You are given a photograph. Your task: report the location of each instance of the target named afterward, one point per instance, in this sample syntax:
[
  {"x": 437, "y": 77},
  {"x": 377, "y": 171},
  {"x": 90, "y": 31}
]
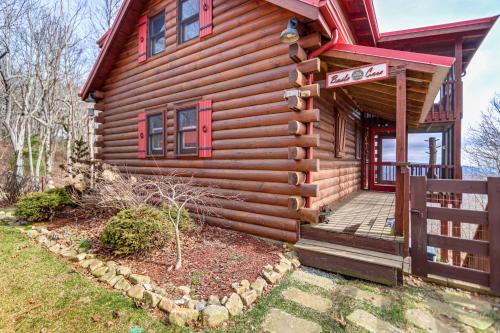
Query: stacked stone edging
[{"x": 213, "y": 312}]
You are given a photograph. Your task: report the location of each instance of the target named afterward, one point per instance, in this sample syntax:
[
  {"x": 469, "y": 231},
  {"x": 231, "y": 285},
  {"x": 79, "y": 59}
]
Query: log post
[
  {"x": 419, "y": 226},
  {"x": 297, "y": 79},
  {"x": 296, "y": 203},
  {"x": 296, "y": 178},
  {"x": 296, "y": 128},
  {"x": 297, "y": 53},
  {"x": 311, "y": 41},
  {"x": 296, "y": 103},
  {"x": 402, "y": 209},
  {"x": 311, "y": 66},
  {"x": 296, "y": 153}
]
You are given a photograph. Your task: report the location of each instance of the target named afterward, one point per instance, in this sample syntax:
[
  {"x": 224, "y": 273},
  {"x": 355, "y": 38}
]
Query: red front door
[{"x": 383, "y": 159}]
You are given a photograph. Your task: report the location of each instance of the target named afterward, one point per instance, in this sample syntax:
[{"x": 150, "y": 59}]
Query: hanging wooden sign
[{"x": 357, "y": 75}]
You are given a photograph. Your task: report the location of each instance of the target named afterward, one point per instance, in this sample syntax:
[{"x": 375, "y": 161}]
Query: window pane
[
  {"x": 157, "y": 24},
  {"x": 155, "y": 123},
  {"x": 189, "y": 139},
  {"x": 157, "y": 34},
  {"x": 190, "y": 8},
  {"x": 158, "y": 45},
  {"x": 190, "y": 31},
  {"x": 157, "y": 142},
  {"x": 187, "y": 118}
]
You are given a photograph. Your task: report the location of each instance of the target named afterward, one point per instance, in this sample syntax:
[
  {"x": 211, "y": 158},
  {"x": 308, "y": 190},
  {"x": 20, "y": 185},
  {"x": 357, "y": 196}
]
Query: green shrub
[
  {"x": 186, "y": 222},
  {"x": 135, "y": 230},
  {"x": 84, "y": 244},
  {"x": 42, "y": 205}
]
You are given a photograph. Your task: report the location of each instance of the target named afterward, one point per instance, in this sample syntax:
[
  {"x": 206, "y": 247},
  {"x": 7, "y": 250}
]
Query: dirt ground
[{"x": 213, "y": 258}]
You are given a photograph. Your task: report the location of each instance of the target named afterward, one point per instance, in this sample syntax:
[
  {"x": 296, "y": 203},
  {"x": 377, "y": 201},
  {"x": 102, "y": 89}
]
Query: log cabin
[{"x": 289, "y": 105}]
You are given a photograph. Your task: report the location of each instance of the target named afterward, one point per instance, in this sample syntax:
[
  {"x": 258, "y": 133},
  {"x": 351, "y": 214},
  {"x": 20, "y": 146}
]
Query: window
[
  {"x": 155, "y": 134},
  {"x": 359, "y": 142},
  {"x": 157, "y": 34},
  {"x": 187, "y": 131},
  {"x": 189, "y": 24}
]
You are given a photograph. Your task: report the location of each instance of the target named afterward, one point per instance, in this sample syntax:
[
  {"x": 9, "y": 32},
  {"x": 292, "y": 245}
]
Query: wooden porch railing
[
  {"x": 421, "y": 238},
  {"x": 385, "y": 172},
  {"x": 443, "y": 110}
]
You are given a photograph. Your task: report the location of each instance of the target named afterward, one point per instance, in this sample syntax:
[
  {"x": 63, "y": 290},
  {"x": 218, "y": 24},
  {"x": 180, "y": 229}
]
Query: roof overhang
[
  {"x": 425, "y": 74},
  {"x": 441, "y": 39},
  {"x": 110, "y": 44}
]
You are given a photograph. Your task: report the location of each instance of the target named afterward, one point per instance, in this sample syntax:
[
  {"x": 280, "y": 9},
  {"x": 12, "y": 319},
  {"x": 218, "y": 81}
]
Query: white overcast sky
[{"x": 483, "y": 74}]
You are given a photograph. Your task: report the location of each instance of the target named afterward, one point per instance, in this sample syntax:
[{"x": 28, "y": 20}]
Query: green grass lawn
[{"x": 41, "y": 293}]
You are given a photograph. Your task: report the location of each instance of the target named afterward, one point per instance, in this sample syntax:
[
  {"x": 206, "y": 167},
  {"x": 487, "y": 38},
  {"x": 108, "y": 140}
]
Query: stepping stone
[
  {"x": 311, "y": 301},
  {"x": 474, "y": 320},
  {"x": 371, "y": 323},
  {"x": 366, "y": 296},
  {"x": 315, "y": 280},
  {"x": 466, "y": 301},
  {"x": 424, "y": 320},
  {"x": 278, "y": 321}
]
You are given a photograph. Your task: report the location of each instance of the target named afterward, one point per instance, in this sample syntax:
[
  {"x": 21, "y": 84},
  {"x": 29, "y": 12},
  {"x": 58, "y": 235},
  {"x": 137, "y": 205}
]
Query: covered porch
[
  {"x": 366, "y": 235},
  {"x": 391, "y": 103}
]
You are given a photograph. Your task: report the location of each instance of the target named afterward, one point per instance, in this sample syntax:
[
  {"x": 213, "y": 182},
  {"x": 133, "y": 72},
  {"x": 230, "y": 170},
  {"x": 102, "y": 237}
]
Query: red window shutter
[
  {"x": 206, "y": 17},
  {"x": 142, "y": 35},
  {"x": 141, "y": 135},
  {"x": 205, "y": 129}
]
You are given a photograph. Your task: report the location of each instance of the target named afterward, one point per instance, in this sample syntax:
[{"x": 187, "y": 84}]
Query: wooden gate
[{"x": 487, "y": 247}]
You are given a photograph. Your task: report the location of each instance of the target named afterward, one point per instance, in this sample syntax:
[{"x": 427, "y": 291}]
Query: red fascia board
[
  {"x": 440, "y": 27},
  {"x": 103, "y": 38},
  {"x": 105, "y": 48},
  {"x": 312, "y": 2},
  {"x": 395, "y": 54},
  {"x": 334, "y": 20},
  {"x": 372, "y": 19}
]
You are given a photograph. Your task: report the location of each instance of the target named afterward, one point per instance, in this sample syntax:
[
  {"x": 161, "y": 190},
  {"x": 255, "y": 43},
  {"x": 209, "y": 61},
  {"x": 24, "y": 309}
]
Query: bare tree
[
  {"x": 180, "y": 193},
  {"x": 172, "y": 192},
  {"x": 42, "y": 64},
  {"x": 483, "y": 140}
]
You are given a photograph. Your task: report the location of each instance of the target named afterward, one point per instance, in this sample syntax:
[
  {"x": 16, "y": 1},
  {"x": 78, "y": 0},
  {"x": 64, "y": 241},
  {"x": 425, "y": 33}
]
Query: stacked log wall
[
  {"x": 243, "y": 68},
  {"x": 338, "y": 176}
]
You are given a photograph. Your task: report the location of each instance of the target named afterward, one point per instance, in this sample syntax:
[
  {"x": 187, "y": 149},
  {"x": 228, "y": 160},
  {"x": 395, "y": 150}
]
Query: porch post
[{"x": 402, "y": 173}]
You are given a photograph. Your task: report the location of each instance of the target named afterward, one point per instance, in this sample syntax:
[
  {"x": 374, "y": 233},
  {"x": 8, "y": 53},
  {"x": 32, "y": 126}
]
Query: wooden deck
[
  {"x": 367, "y": 214},
  {"x": 356, "y": 239}
]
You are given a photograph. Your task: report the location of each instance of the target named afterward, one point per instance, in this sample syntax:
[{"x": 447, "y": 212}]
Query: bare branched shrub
[
  {"x": 172, "y": 193},
  {"x": 12, "y": 187},
  {"x": 114, "y": 191},
  {"x": 177, "y": 193}
]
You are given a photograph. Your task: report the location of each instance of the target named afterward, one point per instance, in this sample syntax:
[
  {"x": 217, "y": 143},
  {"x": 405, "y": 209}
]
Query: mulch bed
[{"x": 213, "y": 258}]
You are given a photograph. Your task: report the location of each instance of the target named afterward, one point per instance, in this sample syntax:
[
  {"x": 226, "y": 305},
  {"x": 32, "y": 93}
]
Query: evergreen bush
[
  {"x": 42, "y": 205},
  {"x": 134, "y": 230}
]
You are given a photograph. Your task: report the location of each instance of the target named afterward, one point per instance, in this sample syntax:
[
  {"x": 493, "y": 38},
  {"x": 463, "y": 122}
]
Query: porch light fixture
[
  {"x": 91, "y": 100},
  {"x": 290, "y": 34}
]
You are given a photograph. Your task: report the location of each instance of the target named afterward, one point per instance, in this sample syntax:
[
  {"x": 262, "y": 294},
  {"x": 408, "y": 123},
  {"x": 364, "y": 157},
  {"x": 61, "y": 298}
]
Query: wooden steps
[
  {"x": 365, "y": 264},
  {"x": 317, "y": 233}
]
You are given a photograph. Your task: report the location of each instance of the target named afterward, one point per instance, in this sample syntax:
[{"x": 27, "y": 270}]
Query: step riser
[
  {"x": 379, "y": 245},
  {"x": 362, "y": 270}
]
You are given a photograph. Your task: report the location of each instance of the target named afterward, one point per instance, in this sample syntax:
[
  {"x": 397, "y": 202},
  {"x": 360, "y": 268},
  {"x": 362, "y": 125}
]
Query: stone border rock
[{"x": 213, "y": 312}]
